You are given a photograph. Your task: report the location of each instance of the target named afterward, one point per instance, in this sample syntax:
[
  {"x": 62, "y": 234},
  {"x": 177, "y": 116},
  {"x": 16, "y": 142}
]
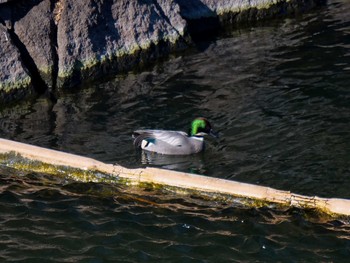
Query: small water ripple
[{"x": 93, "y": 228}]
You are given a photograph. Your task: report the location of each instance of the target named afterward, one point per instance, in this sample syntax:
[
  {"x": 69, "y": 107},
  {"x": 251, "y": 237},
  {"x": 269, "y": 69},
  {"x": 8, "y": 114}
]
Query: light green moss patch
[
  {"x": 11, "y": 85},
  {"x": 17, "y": 162}
]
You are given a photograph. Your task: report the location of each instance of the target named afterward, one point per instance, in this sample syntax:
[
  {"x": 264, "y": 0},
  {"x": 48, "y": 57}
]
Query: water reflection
[{"x": 193, "y": 163}]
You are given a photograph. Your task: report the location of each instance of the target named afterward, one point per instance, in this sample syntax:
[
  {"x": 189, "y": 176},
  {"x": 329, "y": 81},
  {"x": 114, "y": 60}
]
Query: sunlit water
[{"x": 279, "y": 95}]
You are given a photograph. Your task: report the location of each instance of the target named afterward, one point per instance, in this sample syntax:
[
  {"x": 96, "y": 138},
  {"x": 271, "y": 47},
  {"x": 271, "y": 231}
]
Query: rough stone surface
[
  {"x": 15, "y": 81},
  {"x": 33, "y": 24},
  {"x": 171, "y": 12},
  {"x": 95, "y": 37}
]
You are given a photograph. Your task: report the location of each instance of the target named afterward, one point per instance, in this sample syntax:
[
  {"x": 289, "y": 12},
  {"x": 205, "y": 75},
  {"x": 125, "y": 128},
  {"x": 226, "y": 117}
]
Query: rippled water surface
[{"x": 279, "y": 95}]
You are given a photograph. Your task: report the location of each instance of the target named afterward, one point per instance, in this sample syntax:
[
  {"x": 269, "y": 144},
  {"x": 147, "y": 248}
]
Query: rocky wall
[{"x": 49, "y": 45}]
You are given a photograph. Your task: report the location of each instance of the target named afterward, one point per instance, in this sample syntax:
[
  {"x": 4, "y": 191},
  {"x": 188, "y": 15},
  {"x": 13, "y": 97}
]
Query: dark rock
[
  {"x": 170, "y": 11},
  {"x": 15, "y": 81},
  {"x": 99, "y": 37},
  {"x": 33, "y": 25}
]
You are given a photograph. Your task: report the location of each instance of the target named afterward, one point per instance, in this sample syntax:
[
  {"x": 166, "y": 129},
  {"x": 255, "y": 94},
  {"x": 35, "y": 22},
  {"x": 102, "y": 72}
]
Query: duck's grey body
[
  {"x": 168, "y": 142},
  {"x": 175, "y": 142}
]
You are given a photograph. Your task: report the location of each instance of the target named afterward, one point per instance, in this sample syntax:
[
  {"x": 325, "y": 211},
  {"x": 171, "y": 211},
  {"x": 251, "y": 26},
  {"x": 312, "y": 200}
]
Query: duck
[{"x": 175, "y": 142}]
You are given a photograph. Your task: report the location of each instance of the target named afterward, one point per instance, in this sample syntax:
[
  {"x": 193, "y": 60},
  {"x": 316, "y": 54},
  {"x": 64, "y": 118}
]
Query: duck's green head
[{"x": 201, "y": 127}]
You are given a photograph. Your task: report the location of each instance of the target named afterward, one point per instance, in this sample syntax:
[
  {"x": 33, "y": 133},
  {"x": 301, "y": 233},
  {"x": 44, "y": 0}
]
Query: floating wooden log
[{"x": 175, "y": 179}]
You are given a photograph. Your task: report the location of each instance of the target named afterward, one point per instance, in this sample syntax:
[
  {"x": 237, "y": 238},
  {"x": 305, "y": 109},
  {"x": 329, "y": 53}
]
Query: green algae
[
  {"x": 213, "y": 196},
  {"x": 17, "y": 162}
]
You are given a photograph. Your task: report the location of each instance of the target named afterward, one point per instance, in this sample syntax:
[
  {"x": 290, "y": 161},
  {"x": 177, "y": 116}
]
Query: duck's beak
[{"x": 214, "y": 134}]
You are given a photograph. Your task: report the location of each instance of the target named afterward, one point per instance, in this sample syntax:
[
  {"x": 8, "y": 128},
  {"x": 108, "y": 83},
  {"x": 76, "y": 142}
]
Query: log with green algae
[
  {"x": 87, "y": 169},
  {"x": 18, "y": 162}
]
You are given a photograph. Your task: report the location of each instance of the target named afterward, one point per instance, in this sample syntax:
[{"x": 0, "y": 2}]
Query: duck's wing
[{"x": 173, "y": 138}]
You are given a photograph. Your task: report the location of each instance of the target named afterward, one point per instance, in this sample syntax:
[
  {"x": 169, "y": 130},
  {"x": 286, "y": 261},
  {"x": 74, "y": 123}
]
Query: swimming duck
[{"x": 175, "y": 142}]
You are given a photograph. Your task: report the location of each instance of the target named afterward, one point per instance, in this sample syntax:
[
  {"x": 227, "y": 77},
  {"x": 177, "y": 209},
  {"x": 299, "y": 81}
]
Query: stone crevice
[
  {"x": 55, "y": 7},
  {"x": 38, "y": 83}
]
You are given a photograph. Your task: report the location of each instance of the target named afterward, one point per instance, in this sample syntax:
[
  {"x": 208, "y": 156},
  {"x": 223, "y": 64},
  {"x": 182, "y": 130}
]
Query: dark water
[{"x": 278, "y": 93}]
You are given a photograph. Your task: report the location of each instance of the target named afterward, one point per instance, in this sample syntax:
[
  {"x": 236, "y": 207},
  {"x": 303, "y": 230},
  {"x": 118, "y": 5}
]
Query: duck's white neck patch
[{"x": 198, "y": 138}]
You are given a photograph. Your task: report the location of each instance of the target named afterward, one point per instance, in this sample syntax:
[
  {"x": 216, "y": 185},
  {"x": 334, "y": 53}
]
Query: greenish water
[{"x": 279, "y": 96}]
